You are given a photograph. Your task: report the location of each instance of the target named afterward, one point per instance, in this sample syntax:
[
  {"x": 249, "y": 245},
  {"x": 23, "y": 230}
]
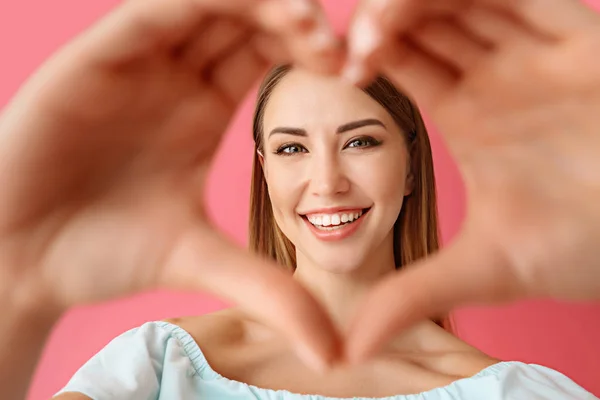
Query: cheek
[
  {"x": 382, "y": 179},
  {"x": 283, "y": 185}
]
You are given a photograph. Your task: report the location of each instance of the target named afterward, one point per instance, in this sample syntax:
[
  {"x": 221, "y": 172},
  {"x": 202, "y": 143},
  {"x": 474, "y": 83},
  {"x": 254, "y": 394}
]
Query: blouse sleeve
[
  {"x": 129, "y": 367},
  {"x": 531, "y": 381}
]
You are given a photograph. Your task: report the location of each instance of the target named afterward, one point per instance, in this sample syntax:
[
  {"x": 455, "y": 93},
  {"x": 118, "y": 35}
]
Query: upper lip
[{"x": 332, "y": 210}]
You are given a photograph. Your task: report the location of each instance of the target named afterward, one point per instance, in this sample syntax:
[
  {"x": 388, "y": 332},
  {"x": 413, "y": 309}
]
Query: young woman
[
  {"x": 343, "y": 193},
  {"x": 107, "y": 147}
]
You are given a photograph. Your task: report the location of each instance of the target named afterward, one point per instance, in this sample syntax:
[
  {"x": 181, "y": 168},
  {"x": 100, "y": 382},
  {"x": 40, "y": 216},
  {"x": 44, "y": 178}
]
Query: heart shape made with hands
[{"x": 494, "y": 75}]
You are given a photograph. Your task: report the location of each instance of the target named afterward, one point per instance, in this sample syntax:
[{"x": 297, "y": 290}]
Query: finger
[
  {"x": 492, "y": 26},
  {"x": 272, "y": 48},
  {"x": 306, "y": 39},
  {"x": 421, "y": 76},
  {"x": 366, "y": 44},
  {"x": 234, "y": 74},
  {"x": 213, "y": 41},
  {"x": 451, "y": 44},
  {"x": 398, "y": 16},
  {"x": 377, "y": 19},
  {"x": 138, "y": 27},
  {"x": 205, "y": 260},
  {"x": 317, "y": 48},
  {"x": 375, "y": 23},
  {"x": 464, "y": 272},
  {"x": 290, "y": 16},
  {"x": 556, "y": 18},
  {"x": 312, "y": 43}
]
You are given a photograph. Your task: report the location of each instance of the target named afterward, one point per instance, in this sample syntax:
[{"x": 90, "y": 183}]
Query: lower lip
[{"x": 336, "y": 234}]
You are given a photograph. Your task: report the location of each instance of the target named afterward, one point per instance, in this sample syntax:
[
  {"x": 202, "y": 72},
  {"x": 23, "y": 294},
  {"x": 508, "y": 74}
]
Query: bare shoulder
[
  {"x": 71, "y": 396},
  {"x": 462, "y": 356},
  {"x": 443, "y": 351},
  {"x": 218, "y": 328}
]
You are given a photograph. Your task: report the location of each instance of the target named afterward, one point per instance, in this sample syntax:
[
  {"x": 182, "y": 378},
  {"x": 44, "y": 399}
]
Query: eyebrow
[{"x": 341, "y": 129}]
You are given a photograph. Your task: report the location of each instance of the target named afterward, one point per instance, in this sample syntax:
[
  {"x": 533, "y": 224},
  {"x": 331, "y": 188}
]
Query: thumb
[
  {"x": 207, "y": 261},
  {"x": 468, "y": 271}
]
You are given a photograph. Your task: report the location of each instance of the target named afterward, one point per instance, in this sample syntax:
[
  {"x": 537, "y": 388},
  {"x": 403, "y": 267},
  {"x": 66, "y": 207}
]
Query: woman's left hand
[{"x": 514, "y": 87}]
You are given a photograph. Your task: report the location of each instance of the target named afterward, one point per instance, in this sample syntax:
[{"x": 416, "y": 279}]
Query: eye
[
  {"x": 290, "y": 149},
  {"x": 364, "y": 141}
]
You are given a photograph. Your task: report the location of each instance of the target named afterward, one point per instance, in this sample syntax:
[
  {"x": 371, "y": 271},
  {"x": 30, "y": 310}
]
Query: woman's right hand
[{"x": 104, "y": 154}]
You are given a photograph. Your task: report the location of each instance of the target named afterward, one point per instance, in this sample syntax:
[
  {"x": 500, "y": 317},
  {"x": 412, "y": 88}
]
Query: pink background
[{"x": 561, "y": 336}]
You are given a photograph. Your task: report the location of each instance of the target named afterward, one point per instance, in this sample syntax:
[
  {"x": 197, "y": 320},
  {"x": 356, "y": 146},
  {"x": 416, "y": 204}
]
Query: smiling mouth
[{"x": 332, "y": 222}]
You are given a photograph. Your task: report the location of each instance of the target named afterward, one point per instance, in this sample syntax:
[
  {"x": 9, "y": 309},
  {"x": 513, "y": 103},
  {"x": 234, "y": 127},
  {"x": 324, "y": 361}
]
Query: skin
[
  {"x": 324, "y": 169},
  {"x": 328, "y": 169},
  {"x": 514, "y": 87},
  {"x": 518, "y": 108},
  {"x": 107, "y": 146}
]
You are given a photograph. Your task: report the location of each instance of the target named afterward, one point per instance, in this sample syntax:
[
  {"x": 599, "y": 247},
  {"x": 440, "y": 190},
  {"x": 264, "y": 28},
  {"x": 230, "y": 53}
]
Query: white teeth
[{"x": 333, "y": 220}]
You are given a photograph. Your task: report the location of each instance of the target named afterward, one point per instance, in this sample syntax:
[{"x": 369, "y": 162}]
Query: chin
[{"x": 339, "y": 263}]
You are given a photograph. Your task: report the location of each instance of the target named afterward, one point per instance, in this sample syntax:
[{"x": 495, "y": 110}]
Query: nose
[{"x": 328, "y": 176}]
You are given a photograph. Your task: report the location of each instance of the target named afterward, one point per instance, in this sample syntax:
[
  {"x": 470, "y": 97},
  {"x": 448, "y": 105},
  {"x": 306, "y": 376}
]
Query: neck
[{"x": 341, "y": 293}]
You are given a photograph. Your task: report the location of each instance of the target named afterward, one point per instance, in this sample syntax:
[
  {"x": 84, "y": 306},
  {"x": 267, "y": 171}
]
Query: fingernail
[
  {"x": 364, "y": 37},
  {"x": 353, "y": 72}
]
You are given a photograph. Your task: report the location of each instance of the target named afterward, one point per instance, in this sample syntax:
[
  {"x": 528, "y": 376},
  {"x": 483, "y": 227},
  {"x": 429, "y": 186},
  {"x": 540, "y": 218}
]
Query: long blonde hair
[{"x": 416, "y": 233}]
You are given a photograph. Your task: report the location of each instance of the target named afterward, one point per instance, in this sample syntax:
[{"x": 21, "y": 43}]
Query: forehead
[{"x": 303, "y": 99}]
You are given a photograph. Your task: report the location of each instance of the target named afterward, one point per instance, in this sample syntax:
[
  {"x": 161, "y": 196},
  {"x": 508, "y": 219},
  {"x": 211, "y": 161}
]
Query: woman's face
[{"x": 336, "y": 167}]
